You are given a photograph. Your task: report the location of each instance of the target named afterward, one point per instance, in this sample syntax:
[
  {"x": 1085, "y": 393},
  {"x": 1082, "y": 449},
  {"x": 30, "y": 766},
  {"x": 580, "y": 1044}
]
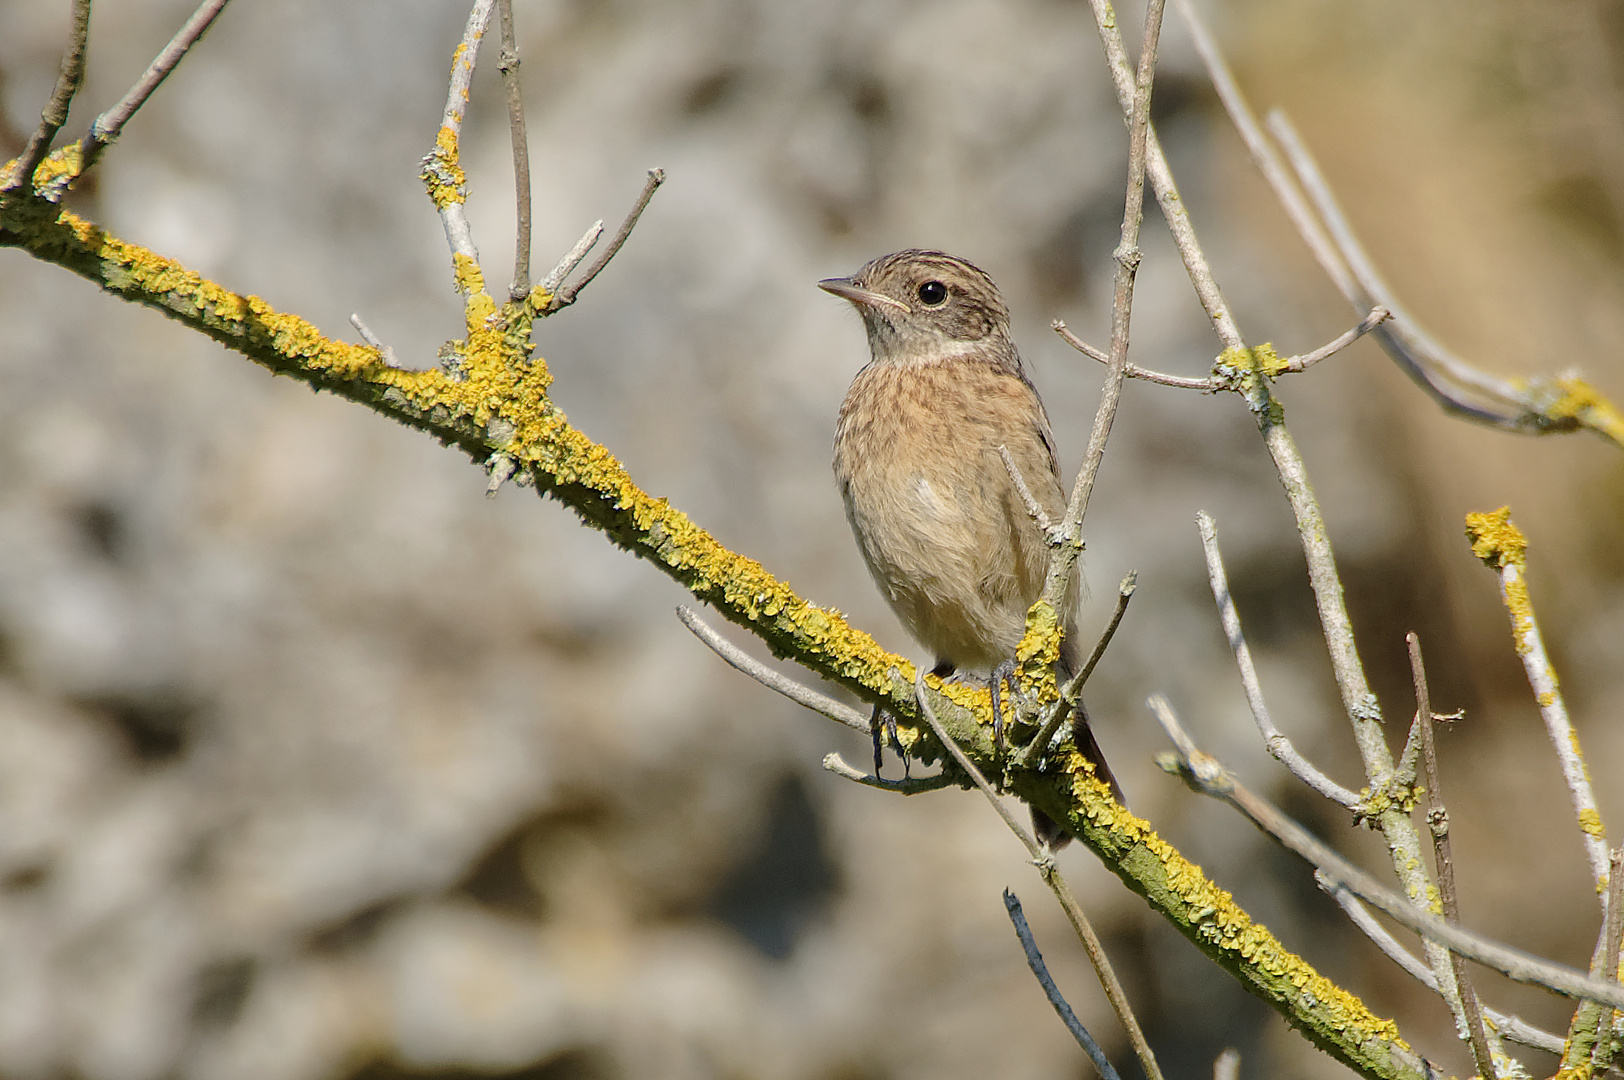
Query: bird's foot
[{"x": 882, "y": 725}]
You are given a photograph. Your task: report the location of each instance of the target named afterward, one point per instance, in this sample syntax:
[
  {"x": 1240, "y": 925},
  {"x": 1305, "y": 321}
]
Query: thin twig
[
  {"x": 1375, "y": 318},
  {"x": 1209, "y": 777},
  {"x": 1471, "y": 1016},
  {"x": 442, "y": 168},
  {"x": 1134, "y": 370},
  {"x": 1074, "y": 687},
  {"x": 1509, "y": 1027},
  {"x": 911, "y": 786},
  {"x": 70, "y": 75},
  {"x": 1273, "y": 739},
  {"x": 1043, "y": 859},
  {"x": 566, "y": 266},
  {"x": 1498, "y": 542},
  {"x": 1161, "y": 179},
  {"x": 1034, "y": 960},
  {"x": 1211, "y": 384},
  {"x": 1037, "y": 513},
  {"x": 1227, "y": 1065},
  {"x": 384, "y": 351},
  {"x": 1431, "y": 366},
  {"x": 108, "y": 125},
  {"x": 822, "y": 704},
  {"x": 508, "y": 64},
  {"x": 567, "y": 294}
]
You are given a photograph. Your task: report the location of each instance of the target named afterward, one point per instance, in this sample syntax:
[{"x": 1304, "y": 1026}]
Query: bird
[{"x": 919, "y": 459}]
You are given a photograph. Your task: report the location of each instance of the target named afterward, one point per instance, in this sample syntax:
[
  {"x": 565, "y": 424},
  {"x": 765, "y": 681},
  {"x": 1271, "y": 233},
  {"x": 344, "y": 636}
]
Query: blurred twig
[
  {"x": 1034, "y": 960},
  {"x": 1470, "y": 1016},
  {"x": 1204, "y": 773}
]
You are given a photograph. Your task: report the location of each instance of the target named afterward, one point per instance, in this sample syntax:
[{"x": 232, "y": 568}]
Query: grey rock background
[{"x": 314, "y": 763}]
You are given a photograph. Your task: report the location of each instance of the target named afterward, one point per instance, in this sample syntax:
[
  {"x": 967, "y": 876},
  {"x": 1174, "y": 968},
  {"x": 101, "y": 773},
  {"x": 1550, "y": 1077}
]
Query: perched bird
[{"x": 938, "y": 517}]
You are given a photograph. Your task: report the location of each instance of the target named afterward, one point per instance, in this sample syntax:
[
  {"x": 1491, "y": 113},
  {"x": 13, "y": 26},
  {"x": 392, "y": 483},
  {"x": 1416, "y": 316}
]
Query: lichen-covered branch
[{"x": 502, "y": 406}]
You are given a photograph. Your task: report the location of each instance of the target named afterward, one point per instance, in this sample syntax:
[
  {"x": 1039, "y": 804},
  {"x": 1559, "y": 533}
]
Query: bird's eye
[{"x": 932, "y": 294}]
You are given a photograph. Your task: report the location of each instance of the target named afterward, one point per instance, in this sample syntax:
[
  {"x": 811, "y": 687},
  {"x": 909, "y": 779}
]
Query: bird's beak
[{"x": 847, "y": 289}]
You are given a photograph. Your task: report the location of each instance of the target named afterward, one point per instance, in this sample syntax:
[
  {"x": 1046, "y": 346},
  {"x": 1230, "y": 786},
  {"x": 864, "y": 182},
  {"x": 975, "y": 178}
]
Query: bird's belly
[{"x": 944, "y": 558}]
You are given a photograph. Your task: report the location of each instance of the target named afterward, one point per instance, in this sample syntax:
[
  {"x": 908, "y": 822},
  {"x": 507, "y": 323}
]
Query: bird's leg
[
  {"x": 1003, "y": 673},
  {"x": 881, "y": 724}
]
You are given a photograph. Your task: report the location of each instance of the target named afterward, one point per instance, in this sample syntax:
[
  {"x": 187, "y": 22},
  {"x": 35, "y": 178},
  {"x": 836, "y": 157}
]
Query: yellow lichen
[
  {"x": 1582, "y": 402},
  {"x": 1590, "y": 822},
  {"x": 1495, "y": 539}
]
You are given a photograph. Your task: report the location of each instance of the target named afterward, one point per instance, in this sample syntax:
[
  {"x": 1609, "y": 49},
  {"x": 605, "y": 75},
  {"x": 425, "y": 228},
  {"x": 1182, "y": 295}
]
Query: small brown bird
[{"x": 939, "y": 520}]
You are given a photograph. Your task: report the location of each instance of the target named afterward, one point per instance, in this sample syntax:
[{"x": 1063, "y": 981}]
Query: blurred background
[{"x": 317, "y": 764}]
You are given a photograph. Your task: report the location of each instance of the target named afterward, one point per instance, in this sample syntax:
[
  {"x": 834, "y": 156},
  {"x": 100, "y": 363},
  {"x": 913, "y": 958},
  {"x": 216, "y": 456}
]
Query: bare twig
[
  {"x": 384, "y": 351},
  {"x": 1134, "y": 370},
  {"x": 1471, "y": 1016},
  {"x": 1161, "y": 178},
  {"x": 108, "y": 125},
  {"x": 1509, "y": 1027},
  {"x": 1273, "y": 739},
  {"x": 70, "y": 76},
  {"x": 1211, "y": 384},
  {"x": 566, "y": 266},
  {"x": 508, "y": 64},
  {"x": 1043, "y": 859},
  {"x": 1375, "y": 318},
  {"x": 1034, "y": 960},
  {"x": 1127, "y": 258},
  {"x": 1038, "y": 514},
  {"x": 442, "y": 168},
  {"x": 912, "y": 786},
  {"x": 566, "y": 295},
  {"x": 1074, "y": 687},
  {"x": 1504, "y": 549},
  {"x": 1208, "y": 776},
  {"x": 802, "y": 695}
]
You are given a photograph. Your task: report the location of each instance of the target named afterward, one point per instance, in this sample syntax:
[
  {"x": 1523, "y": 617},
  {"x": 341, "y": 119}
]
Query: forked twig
[
  {"x": 1509, "y": 1027},
  {"x": 1209, "y": 777},
  {"x": 70, "y": 76},
  {"x": 1274, "y": 740}
]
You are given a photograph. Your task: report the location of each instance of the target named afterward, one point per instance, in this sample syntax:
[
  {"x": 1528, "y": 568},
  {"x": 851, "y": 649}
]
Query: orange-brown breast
[{"x": 940, "y": 524}]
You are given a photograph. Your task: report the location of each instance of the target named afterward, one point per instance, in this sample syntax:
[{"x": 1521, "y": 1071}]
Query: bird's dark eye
[{"x": 932, "y": 293}]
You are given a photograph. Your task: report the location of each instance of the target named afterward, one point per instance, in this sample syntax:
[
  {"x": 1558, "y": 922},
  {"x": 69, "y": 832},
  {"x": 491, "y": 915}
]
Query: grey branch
[
  {"x": 1276, "y": 742},
  {"x": 1034, "y": 960},
  {"x": 822, "y": 704},
  {"x": 912, "y": 786},
  {"x": 1470, "y": 1015},
  {"x": 508, "y": 63},
  {"x": 1209, "y": 777},
  {"x": 1038, "y": 514},
  {"x": 1510, "y": 1027}
]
